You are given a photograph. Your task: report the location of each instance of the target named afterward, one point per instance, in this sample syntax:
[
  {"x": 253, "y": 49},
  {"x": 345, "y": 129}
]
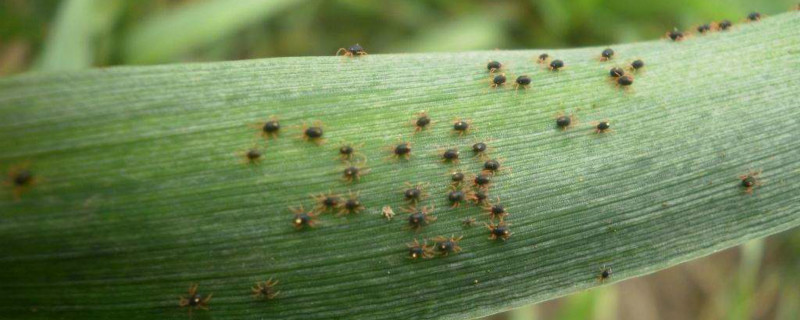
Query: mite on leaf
[
  {"x": 326, "y": 201},
  {"x": 624, "y": 81},
  {"x": 303, "y": 219},
  {"x": 754, "y": 16},
  {"x": 494, "y": 66},
  {"x": 481, "y": 180},
  {"x": 603, "y": 126},
  {"x": 313, "y": 133},
  {"x": 481, "y": 196},
  {"x": 523, "y": 82},
  {"x": 607, "y": 54},
  {"x": 351, "y": 205},
  {"x": 676, "y": 35},
  {"x": 703, "y": 28},
  {"x": 462, "y": 126},
  {"x": 494, "y": 166},
  {"x": 468, "y": 222},
  {"x": 616, "y": 72},
  {"x": 269, "y": 129},
  {"x": 456, "y": 196},
  {"x": 604, "y": 274},
  {"x": 498, "y": 80},
  {"x": 387, "y": 212},
  {"x": 414, "y": 193},
  {"x": 194, "y": 300},
  {"x": 446, "y": 246},
  {"x": 400, "y": 150},
  {"x": 556, "y": 65},
  {"x": 20, "y": 179},
  {"x": 723, "y": 25},
  {"x": 422, "y": 121},
  {"x": 352, "y": 51},
  {"x": 419, "y": 218},
  {"x": 450, "y": 155},
  {"x": 636, "y": 65},
  {"x": 265, "y": 290},
  {"x": 418, "y": 250},
  {"x": 456, "y": 177},
  {"x": 543, "y": 58},
  {"x": 565, "y": 122},
  {"x": 750, "y": 181},
  {"x": 354, "y": 171},
  {"x": 496, "y": 210},
  {"x": 481, "y": 149},
  {"x": 499, "y": 231},
  {"x": 349, "y": 152}
]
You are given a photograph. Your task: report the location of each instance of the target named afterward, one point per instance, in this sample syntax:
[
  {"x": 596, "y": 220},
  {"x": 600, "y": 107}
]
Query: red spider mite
[
  {"x": 353, "y": 171},
  {"x": 495, "y": 210},
  {"x": 414, "y": 193},
  {"x": 355, "y": 50},
  {"x": 418, "y": 250},
  {"x": 313, "y": 133},
  {"x": 462, "y": 126},
  {"x": 20, "y": 179},
  {"x": 269, "y": 129},
  {"x": 265, "y": 290},
  {"x": 499, "y": 231},
  {"x": 303, "y": 218},
  {"x": 326, "y": 201},
  {"x": 352, "y": 204},
  {"x": 750, "y": 180},
  {"x": 421, "y": 121},
  {"x": 446, "y": 246},
  {"x": 194, "y": 300},
  {"x": 419, "y": 218}
]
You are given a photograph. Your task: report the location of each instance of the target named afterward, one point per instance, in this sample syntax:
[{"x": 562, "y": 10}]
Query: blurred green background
[{"x": 759, "y": 280}]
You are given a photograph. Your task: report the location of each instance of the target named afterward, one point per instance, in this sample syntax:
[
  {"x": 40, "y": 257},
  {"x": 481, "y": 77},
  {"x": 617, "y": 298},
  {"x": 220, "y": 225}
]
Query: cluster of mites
[{"x": 677, "y": 35}]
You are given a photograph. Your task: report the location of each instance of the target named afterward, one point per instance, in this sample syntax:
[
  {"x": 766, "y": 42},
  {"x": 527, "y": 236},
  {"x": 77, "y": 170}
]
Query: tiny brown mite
[
  {"x": 603, "y": 126},
  {"x": 456, "y": 196},
  {"x": 20, "y": 180},
  {"x": 675, "y": 35},
  {"x": 481, "y": 180},
  {"x": 354, "y": 171},
  {"x": 194, "y": 300},
  {"x": 313, "y": 133},
  {"x": 542, "y": 58},
  {"x": 494, "y": 66},
  {"x": 351, "y": 205},
  {"x": 446, "y": 246},
  {"x": 326, "y": 201},
  {"x": 414, "y": 193},
  {"x": 387, "y": 212},
  {"x": 625, "y": 81},
  {"x": 556, "y": 65},
  {"x": 565, "y": 122},
  {"x": 482, "y": 149},
  {"x": 494, "y": 166},
  {"x": 303, "y": 219},
  {"x": 269, "y": 129},
  {"x": 481, "y": 196},
  {"x": 750, "y": 180},
  {"x": 450, "y": 155},
  {"x": 456, "y": 177},
  {"x": 418, "y": 250},
  {"x": 462, "y": 126},
  {"x": 355, "y": 50},
  {"x": 499, "y": 231},
  {"x": 419, "y": 218},
  {"x": 498, "y": 80},
  {"x": 400, "y": 150},
  {"x": 265, "y": 290},
  {"x": 496, "y": 210},
  {"x": 350, "y": 152},
  {"x": 523, "y": 82},
  {"x": 607, "y": 54},
  {"x": 605, "y": 274},
  {"x": 421, "y": 121}
]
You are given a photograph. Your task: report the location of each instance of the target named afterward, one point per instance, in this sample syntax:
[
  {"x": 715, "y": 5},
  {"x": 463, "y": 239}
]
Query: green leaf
[
  {"x": 140, "y": 193},
  {"x": 172, "y": 34}
]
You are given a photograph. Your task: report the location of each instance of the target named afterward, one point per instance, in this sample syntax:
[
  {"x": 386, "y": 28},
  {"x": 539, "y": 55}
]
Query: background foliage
[{"x": 755, "y": 281}]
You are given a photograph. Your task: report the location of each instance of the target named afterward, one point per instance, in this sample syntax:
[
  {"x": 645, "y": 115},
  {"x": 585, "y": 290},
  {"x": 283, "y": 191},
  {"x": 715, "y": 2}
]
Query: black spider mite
[
  {"x": 750, "y": 181},
  {"x": 481, "y": 149},
  {"x": 543, "y": 58},
  {"x": 326, "y": 201},
  {"x": 302, "y": 218},
  {"x": 194, "y": 300},
  {"x": 421, "y": 121},
  {"x": 270, "y": 128},
  {"x": 602, "y": 126},
  {"x": 481, "y": 180},
  {"x": 351, "y": 205},
  {"x": 556, "y": 65},
  {"x": 523, "y": 82},
  {"x": 450, "y": 155},
  {"x": 447, "y": 246},
  {"x": 499, "y": 231},
  {"x": 349, "y": 151},
  {"x": 20, "y": 179},
  {"x": 481, "y": 196},
  {"x": 724, "y": 25},
  {"x": 496, "y": 210},
  {"x": 265, "y": 290},
  {"x": 456, "y": 177},
  {"x": 625, "y": 81},
  {"x": 498, "y": 80},
  {"x": 703, "y": 28},
  {"x": 675, "y": 35},
  {"x": 607, "y": 54},
  {"x": 419, "y": 218},
  {"x": 456, "y": 196},
  {"x": 400, "y": 150},
  {"x": 462, "y": 126},
  {"x": 754, "y": 16},
  {"x": 468, "y": 222},
  {"x": 565, "y": 122},
  {"x": 637, "y": 64},
  {"x": 605, "y": 274},
  {"x": 352, "y": 51},
  {"x": 313, "y": 133},
  {"x": 616, "y": 72},
  {"x": 251, "y": 156},
  {"x": 493, "y": 166},
  {"x": 353, "y": 172},
  {"x": 413, "y": 193},
  {"x": 418, "y": 250},
  {"x": 494, "y": 66}
]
